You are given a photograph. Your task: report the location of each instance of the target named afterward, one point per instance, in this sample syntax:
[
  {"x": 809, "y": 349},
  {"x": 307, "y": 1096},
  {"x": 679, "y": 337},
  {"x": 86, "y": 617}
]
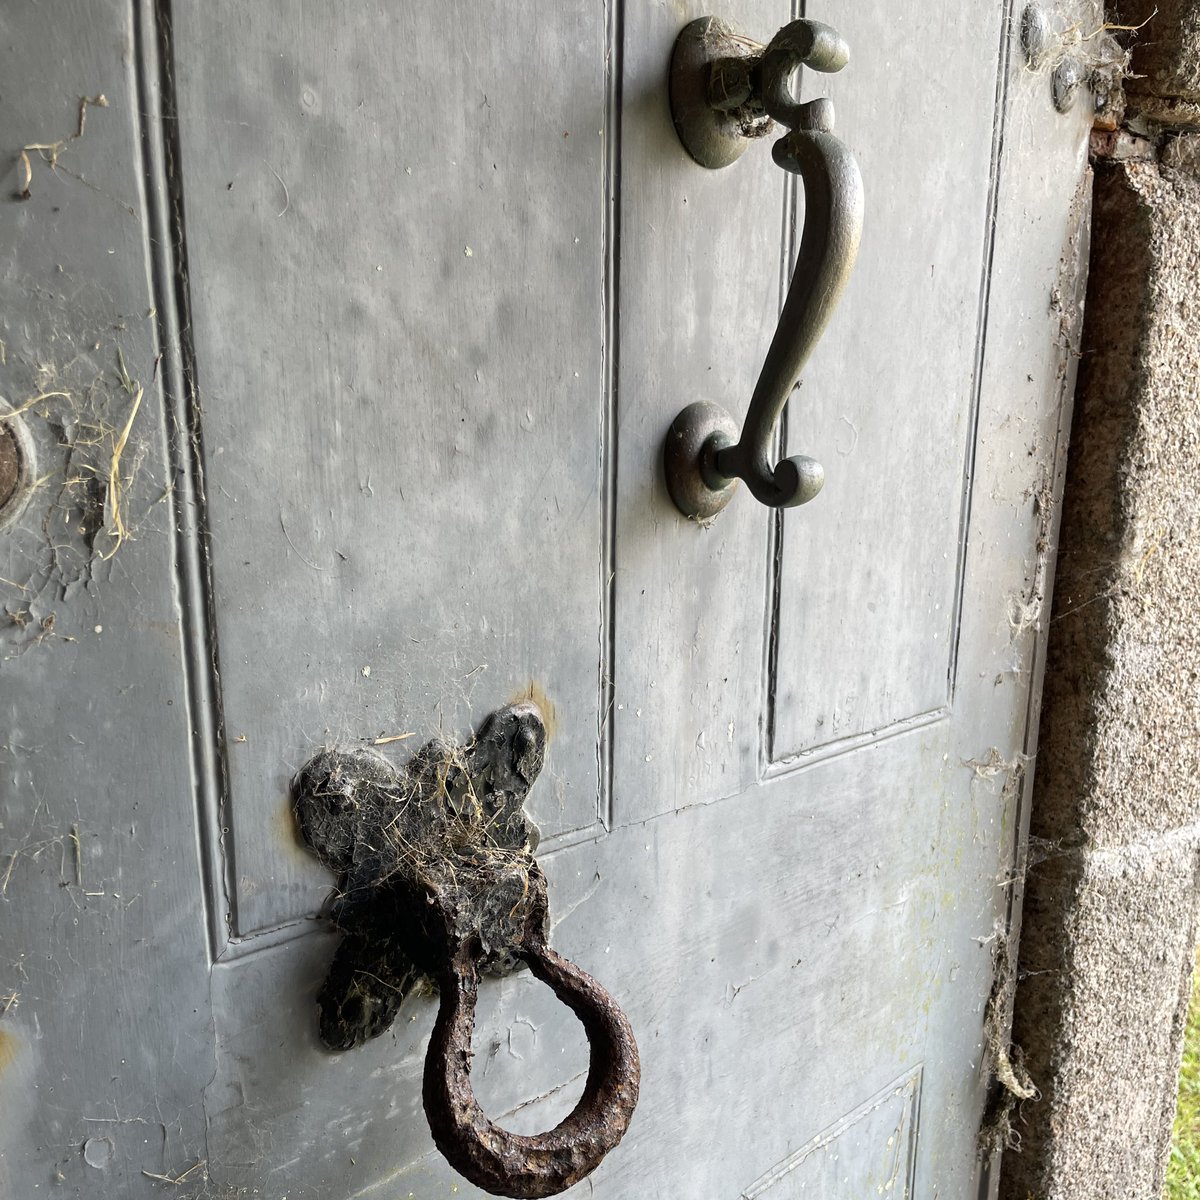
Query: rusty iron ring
[
  {"x": 511, "y": 1164},
  {"x": 437, "y": 880}
]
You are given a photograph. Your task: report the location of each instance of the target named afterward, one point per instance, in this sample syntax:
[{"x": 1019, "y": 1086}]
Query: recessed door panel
[
  {"x": 396, "y": 264},
  {"x": 869, "y": 571}
]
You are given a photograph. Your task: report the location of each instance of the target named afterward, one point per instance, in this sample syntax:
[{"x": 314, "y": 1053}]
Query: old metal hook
[
  {"x": 438, "y": 880},
  {"x": 726, "y": 90}
]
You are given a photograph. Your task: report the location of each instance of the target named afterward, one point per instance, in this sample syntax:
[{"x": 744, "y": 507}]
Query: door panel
[
  {"x": 396, "y": 271},
  {"x": 870, "y": 1152},
  {"x": 446, "y": 471},
  {"x": 700, "y": 270},
  {"x": 761, "y": 1021},
  {"x": 881, "y": 624}
]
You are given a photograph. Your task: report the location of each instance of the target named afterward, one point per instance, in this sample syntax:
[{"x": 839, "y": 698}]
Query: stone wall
[
  {"x": 1109, "y": 923},
  {"x": 1164, "y": 77}
]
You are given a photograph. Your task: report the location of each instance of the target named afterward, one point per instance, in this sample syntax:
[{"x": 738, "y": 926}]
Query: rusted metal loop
[
  {"x": 704, "y": 456},
  {"x": 512, "y": 1164},
  {"x": 437, "y": 881}
]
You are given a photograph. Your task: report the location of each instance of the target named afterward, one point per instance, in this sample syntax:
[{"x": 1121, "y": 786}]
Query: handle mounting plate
[{"x": 710, "y": 61}]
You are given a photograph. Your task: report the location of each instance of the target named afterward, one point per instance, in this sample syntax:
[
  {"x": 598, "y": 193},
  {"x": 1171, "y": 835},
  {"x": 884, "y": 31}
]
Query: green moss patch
[{"x": 1183, "y": 1169}]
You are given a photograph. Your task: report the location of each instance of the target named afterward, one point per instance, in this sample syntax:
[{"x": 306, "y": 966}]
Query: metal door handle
[
  {"x": 725, "y": 90},
  {"x": 438, "y": 880},
  {"x": 511, "y": 1164}
]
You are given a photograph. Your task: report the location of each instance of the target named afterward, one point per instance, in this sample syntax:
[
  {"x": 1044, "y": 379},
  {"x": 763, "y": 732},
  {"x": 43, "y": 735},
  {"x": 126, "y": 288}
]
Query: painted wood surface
[
  {"x": 396, "y": 264},
  {"x": 700, "y": 290},
  {"x": 869, "y": 573},
  {"x": 106, "y": 1030},
  {"x": 360, "y": 446}
]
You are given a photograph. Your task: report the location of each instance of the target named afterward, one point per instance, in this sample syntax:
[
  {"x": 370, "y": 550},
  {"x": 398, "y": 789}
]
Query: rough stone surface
[
  {"x": 1110, "y": 906},
  {"x": 1182, "y": 153},
  {"x": 1165, "y": 74}
]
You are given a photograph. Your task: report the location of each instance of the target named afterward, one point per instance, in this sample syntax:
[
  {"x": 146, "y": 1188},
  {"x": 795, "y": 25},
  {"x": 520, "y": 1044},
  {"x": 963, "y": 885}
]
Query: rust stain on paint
[
  {"x": 9, "y": 1046},
  {"x": 289, "y": 831},
  {"x": 534, "y": 693}
]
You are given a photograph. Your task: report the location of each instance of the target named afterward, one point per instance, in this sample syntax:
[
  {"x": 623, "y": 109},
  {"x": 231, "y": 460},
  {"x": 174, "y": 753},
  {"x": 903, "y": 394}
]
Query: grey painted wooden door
[{"x": 345, "y": 338}]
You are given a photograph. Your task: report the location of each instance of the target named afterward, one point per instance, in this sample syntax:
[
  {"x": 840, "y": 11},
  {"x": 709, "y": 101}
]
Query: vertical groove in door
[
  {"x": 775, "y": 515},
  {"x": 985, "y": 294},
  {"x": 775, "y": 523},
  {"x": 167, "y": 265},
  {"x": 611, "y": 243}
]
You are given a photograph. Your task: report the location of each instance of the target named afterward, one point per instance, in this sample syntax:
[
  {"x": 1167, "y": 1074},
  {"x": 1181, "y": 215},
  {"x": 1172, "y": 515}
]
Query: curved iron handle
[
  {"x": 513, "y": 1164},
  {"x": 724, "y": 91}
]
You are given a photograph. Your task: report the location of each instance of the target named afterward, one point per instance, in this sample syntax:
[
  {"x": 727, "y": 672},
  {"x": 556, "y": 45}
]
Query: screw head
[
  {"x": 1066, "y": 82},
  {"x": 1036, "y": 36}
]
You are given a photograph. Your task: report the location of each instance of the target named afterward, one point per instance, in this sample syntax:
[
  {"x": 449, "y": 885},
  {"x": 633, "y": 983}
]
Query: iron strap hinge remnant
[
  {"x": 726, "y": 90},
  {"x": 437, "y": 880}
]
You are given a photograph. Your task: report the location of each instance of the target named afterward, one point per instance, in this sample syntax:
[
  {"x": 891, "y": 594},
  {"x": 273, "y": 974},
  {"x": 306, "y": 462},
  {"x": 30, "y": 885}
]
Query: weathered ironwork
[
  {"x": 16, "y": 467},
  {"x": 438, "y": 880}
]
